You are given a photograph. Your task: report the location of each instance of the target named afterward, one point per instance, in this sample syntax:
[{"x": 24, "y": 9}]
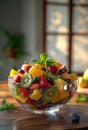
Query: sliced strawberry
[
  {"x": 24, "y": 92},
  {"x": 64, "y": 68},
  {"x": 16, "y": 78},
  {"x": 53, "y": 69},
  {"x": 25, "y": 67},
  {"x": 29, "y": 101},
  {"x": 43, "y": 83},
  {"x": 34, "y": 86}
]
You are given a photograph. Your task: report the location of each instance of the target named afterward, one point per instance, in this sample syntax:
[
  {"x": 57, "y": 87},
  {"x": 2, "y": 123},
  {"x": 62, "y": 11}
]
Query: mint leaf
[
  {"x": 4, "y": 102},
  {"x": 82, "y": 98},
  {"x": 49, "y": 62},
  {"x": 6, "y": 106},
  {"x": 41, "y": 60},
  {"x": 43, "y": 57}
]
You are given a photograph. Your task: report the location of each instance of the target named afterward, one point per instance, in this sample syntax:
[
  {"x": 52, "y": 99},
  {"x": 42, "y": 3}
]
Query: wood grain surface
[{"x": 19, "y": 119}]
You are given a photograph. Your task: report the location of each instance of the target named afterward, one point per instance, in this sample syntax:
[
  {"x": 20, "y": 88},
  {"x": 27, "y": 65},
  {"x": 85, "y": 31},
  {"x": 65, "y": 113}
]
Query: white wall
[
  {"x": 31, "y": 26},
  {"x": 21, "y": 16}
]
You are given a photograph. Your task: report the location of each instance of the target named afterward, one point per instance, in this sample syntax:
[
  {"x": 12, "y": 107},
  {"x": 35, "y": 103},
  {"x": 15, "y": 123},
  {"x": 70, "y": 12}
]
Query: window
[{"x": 65, "y": 32}]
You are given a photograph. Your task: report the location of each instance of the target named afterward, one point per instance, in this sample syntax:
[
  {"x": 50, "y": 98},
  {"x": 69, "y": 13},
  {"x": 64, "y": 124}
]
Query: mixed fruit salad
[{"x": 42, "y": 83}]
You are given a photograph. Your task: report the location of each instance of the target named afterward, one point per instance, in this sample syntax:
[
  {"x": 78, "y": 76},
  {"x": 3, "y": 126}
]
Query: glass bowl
[
  {"x": 42, "y": 100},
  {"x": 42, "y": 85}
]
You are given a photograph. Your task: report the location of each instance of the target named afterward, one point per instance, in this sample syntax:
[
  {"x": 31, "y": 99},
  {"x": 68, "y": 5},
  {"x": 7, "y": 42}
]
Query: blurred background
[{"x": 57, "y": 27}]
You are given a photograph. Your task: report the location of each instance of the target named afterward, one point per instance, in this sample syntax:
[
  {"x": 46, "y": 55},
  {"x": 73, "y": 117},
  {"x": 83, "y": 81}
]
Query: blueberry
[
  {"x": 68, "y": 80},
  {"x": 35, "y": 79},
  {"x": 42, "y": 90},
  {"x": 50, "y": 79},
  {"x": 75, "y": 118}
]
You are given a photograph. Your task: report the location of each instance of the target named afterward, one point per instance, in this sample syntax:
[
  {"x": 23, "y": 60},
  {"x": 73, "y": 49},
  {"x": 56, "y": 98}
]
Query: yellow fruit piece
[
  {"x": 65, "y": 76},
  {"x": 35, "y": 72},
  {"x": 36, "y": 95},
  {"x": 58, "y": 64},
  {"x": 40, "y": 66},
  {"x": 73, "y": 76},
  {"x": 59, "y": 82},
  {"x": 55, "y": 100},
  {"x": 85, "y": 75},
  {"x": 12, "y": 72},
  {"x": 21, "y": 98},
  {"x": 62, "y": 94},
  {"x": 82, "y": 82}
]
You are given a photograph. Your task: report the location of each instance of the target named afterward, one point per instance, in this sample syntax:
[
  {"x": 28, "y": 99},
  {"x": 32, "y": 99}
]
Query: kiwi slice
[
  {"x": 50, "y": 94},
  {"x": 26, "y": 80},
  {"x": 14, "y": 90}
]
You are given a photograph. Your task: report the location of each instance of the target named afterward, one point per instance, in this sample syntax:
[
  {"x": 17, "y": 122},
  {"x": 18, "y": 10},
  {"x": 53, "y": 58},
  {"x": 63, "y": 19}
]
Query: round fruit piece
[
  {"x": 50, "y": 94},
  {"x": 26, "y": 80}
]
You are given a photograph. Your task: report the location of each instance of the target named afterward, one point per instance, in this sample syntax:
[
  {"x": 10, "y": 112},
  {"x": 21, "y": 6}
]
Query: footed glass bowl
[{"x": 42, "y": 100}]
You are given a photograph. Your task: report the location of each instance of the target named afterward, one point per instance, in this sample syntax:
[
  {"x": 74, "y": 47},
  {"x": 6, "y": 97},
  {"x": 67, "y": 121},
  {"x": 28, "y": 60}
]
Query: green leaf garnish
[
  {"x": 35, "y": 61},
  {"x": 44, "y": 60},
  {"x": 4, "y": 102},
  {"x": 82, "y": 98},
  {"x": 6, "y": 106},
  {"x": 43, "y": 57},
  {"x": 52, "y": 75},
  {"x": 49, "y": 62}
]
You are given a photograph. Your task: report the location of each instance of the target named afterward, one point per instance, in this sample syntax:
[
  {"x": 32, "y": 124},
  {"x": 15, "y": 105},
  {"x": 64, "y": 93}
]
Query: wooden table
[{"x": 19, "y": 119}]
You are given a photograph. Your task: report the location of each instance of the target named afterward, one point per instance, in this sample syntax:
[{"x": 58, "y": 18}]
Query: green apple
[
  {"x": 85, "y": 75},
  {"x": 82, "y": 82}
]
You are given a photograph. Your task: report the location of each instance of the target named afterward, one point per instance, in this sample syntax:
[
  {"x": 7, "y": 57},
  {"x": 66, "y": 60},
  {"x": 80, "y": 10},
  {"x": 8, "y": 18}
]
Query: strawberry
[
  {"x": 24, "y": 92},
  {"x": 43, "y": 83},
  {"x": 64, "y": 68},
  {"x": 53, "y": 69},
  {"x": 25, "y": 67},
  {"x": 16, "y": 78},
  {"x": 34, "y": 86}
]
